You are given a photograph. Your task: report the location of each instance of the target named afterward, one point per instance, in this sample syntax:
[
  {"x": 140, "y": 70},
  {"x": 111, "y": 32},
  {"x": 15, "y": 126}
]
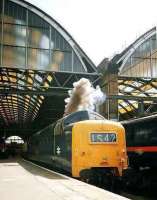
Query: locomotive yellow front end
[{"x": 98, "y": 145}]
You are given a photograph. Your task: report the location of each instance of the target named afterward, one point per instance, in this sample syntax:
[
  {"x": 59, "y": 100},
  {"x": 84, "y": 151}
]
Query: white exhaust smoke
[{"x": 83, "y": 97}]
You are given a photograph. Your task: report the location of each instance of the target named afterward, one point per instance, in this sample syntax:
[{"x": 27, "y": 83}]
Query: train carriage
[{"x": 141, "y": 138}]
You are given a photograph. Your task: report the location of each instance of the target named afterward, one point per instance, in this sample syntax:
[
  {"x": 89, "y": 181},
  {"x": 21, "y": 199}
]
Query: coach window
[
  {"x": 141, "y": 137},
  {"x": 152, "y": 135}
]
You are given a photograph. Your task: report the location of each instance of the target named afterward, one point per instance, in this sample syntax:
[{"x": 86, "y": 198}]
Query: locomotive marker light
[{"x": 58, "y": 151}]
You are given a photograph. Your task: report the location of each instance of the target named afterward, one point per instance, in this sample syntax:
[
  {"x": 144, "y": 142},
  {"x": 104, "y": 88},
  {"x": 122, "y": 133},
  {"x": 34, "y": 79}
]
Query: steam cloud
[{"x": 83, "y": 97}]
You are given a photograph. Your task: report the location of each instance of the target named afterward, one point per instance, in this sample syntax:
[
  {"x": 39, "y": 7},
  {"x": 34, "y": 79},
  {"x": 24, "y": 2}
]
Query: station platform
[{"x": 20, "y": 179}]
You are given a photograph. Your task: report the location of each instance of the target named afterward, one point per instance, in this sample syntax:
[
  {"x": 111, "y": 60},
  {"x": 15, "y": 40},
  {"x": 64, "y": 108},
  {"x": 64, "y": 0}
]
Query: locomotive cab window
[
  {"x": 103, "y": 137},
  {"x": 58, "y": 128},
  {"x": 96, "y": 116}
]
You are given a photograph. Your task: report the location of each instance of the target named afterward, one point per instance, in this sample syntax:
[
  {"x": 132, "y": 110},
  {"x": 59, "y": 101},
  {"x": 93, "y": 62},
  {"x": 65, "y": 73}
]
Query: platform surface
[{"x": 20, "y": 179}]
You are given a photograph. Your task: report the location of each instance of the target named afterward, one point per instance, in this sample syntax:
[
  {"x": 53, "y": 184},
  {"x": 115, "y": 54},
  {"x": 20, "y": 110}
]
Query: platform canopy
[{"x": 39, "y": 61}]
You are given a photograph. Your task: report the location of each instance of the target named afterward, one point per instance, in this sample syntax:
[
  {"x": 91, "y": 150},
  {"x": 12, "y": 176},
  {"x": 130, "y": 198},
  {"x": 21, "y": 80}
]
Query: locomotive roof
[
  {"x": 76, "y": 117},
  {"x": 102, "y": 122},
  {"x": 81, "y": 116},
  {"x": 141, "y": 119}
]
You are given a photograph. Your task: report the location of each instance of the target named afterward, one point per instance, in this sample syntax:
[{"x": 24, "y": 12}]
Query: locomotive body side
[
  {"x": 52, "y": 146},
  {"x": 142, "y": 142},
  {"x": 40, "y": 146},
  {"x": 141, "y": 139}
]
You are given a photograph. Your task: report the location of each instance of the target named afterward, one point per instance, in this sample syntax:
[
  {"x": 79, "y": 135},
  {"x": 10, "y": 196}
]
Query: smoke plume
[{"x": 83, "y": 97}]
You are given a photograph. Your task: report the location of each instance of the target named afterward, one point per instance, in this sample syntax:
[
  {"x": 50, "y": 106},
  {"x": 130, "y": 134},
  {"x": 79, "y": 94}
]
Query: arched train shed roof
[
  {"x": 78, "y": 50},
  {"x": 137, "y": 66},
  {"x": 39, "y": 61},
  {"x": 123, "y": 57}
]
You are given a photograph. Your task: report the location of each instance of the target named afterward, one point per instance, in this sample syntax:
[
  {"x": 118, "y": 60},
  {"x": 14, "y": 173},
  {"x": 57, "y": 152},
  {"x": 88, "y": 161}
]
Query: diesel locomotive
[{"x": 84, "y": 144}]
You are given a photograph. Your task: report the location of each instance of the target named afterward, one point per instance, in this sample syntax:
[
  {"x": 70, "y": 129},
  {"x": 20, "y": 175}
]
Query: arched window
[
  {"x": 32, "y": 40},
  {"x": 14, "y": 139}
]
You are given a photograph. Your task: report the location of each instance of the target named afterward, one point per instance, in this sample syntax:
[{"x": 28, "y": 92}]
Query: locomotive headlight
[
  {"x": 105, "y": 161},
  {"x": 83, "y": 153},
  {"x": 104, "y": 158},
  {"x": 122, "y": 160},
  {"x": 123, "y": 150}
]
